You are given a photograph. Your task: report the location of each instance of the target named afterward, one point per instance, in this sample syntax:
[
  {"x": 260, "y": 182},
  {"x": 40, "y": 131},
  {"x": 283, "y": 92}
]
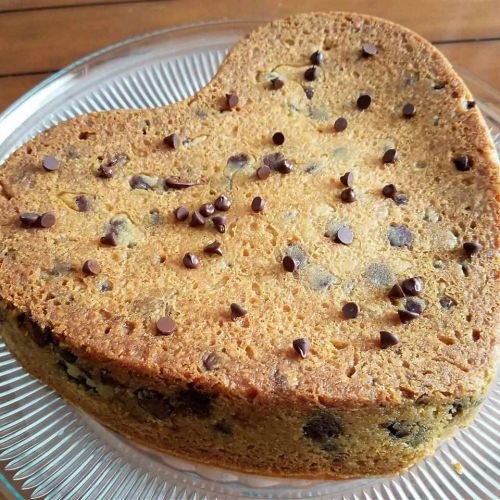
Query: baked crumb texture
[{"x": 291, "y": 272}]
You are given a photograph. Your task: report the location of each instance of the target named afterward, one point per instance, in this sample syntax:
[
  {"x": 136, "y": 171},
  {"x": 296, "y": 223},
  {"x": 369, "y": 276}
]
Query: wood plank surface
[{"x": 6, "y": 5}]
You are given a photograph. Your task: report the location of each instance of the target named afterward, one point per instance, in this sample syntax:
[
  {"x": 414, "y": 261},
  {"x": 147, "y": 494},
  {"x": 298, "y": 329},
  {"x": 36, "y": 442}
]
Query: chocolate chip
[
  {"x": 348, "y": 195},
  {"x": 91, "y": 267},
  {"x": 165, "y": 326},
  {"x": 232, "y": 101},
  {"x": 50, "y": 163},
  {"x": 284, "y": 167},
  {"x": 139, "y": 182},
  {"x": 197, "y": 220},
  {"x": 222, "y": 203},
  {"x": 463, "y": 163},
  {"x": 390, "y": 156},
  {"x": 106, "y": 171},
  {"x": 237, "y": 311},
  {"x": 83, "y": 203},
  {"x": 471, "y": 248},
  {"x": 46, "y": 220},
  {"x": 277, "y": 83},
  {"x": 176, "y": 183},
  {"x": 220, "y": 223},
  {"x": 67, "y": 355},
  {"x": 396, "y": 292},
  {"x": 470, "y": 104},
  {"x": 317, "y": 58},
  {"x": 211, "y": 361},
  {"x": 322, "y": 427},
  {"x": 364, "y": 101},
  {"x": 344, "y": 235},
  {"x": 207, "y": 209},
  {"x": 302, "y": 347},
  {"x": 398, "y": 430},
  {"x": 154, "y": 403},
  {"x": 181, "y": 213},
  {"x": 110, "y": 238},
  {"x": 388, "y": 339},
  {"x": 278, "y": 138},
  {"x": 401, "y": 199},
  {"x": 237, "y": 161},
  {"x": 29, "y": 219},
  {"x": 347, "y": 179},
  {"x": 41, "y": 336},
  {"x": 290, "y": 264},
  {"x": 400, "y": 235},
  {"x": 258, "y": 204},
  {"x": 406, "y": 316},
  {"x": 415, "y": 305},
  {"x": 191, "y": 261},
  {"x": 368, "y": 50},
  {"x": 439, "y": 86},
  {"x": 412, "y": 286},
  {"x": 350, "y": 310},
  {"x": 214, "y": 248},
  {"x": 173, "y": 141},
  {"x": 340, "y": 124},
  {"x": 263, "y": 172},
  {"x": 447, "y": 303},
  {"x": 311, "y": 73},
  {"x": 389, "y": 190},
  {"x": 309, "y": 92},
  {"x": 192, "y": 401},
  {"x": 273, "y": 160},
  {"x": 409, "y": 110}
]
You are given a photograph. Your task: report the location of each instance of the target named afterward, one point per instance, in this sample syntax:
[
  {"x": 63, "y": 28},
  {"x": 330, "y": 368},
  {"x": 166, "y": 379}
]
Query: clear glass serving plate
[{"x": 48, "y": 449}]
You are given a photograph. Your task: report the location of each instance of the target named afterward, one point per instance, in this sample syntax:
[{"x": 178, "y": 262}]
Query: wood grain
[
  {"x": 51, "y": 38},
  {"x": 13, "y": 87},
  {"x": 42, "y": 4}
]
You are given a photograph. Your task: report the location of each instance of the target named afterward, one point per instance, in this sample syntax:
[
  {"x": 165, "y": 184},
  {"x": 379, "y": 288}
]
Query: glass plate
[{"x": 50, "y": 449}]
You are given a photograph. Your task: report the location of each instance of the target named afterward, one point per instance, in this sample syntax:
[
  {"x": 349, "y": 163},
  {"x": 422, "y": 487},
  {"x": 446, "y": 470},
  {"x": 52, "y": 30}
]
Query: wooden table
[{"x": 38, "y": 37}]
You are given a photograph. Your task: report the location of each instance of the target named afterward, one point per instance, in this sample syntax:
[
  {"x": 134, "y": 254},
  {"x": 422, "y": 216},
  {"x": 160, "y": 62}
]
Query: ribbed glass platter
[{"x": 48, "y": 449}]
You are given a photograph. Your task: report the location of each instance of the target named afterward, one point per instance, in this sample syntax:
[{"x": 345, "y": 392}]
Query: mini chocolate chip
[
  {"x": 398, "y": 430},
  {"x": 317, "y": 58},
  {"x": 309, "y": 92},
  {"x": 46, "y": 220},
  {"x": 415, "y": 305},
  {"x": 470, "y": 104},
  {"x": 106, "y": 171},
  {"x": 344, "y": 235},
  {"x": 277, "y": 83},
  {"x": 173, "y": 141},
  {"x": 237, "y": 311},
  {"x": 406, "y": 316},
  {"x": 232, "y": 101},
  {"x": 471, "y": 248},
  {"x": 396, "y": 292},
  {"x": 284, "y": 167},
  {"x": 154, "y": 403},
  {"x": 447, "y": 302},
  {"x": 29, "y": 219},
  {"x": 91, "y": 267},
  {"x": 197, "y": 220},
  {"x": 439, "y": 86},
  {"x": 50, "y": 163},
  {"x": 388, "y": 339},
  {"x": 278, "y": 138},
  {"x": 207, "y": 209},
  {"x": 350, "y": 310},
  {"x": 409, "y": 110},
  {"x": 290, "y": 264},
  {"x": 463, "y": 163},
  {"x": 110, "y": 238},
  {"x": 165, "y": 326},
  {"x": 364, "y": 101},
  {"x": 222, "y": 203},
  {"x": 400, "y": 199},
  {"x": 237, "y": 161},
  {"x": 347, "y": 179},
  {"x": 220, "y": 223},
  {"x": 176, "y": 183},
  {"x": 340, "y": 124},
  {"x": 181, "y": 213},
  {"x": 272, "y": 160},
  {"x": 258, "y": 204},
  {"x": 322, "y": 427},
  {"x": 191, "y": 261},
  {"x": 389, "y": 190},
  {"x": 83, "y": 203},
  {"x": 311, "y": 73},
  {"x": 211, "y": 361},
  {"x": 348, "y": 195},
  {"x": 139, "y": 182},
  {"x": 302, "y": 347},
  {"x": 390, "y": 156},
  {"x": 214, "y": 248},
  {"x": 368, "y": 50},
  {"x": 263, "y": 172},
  {"x": 412, "y": 286}
]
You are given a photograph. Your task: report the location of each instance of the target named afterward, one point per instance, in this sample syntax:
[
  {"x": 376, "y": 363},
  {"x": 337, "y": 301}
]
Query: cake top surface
[{"x": 296, "y": 296}]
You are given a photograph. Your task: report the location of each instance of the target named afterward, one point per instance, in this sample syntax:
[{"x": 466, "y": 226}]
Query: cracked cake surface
[{"x": 307, "y": 243}]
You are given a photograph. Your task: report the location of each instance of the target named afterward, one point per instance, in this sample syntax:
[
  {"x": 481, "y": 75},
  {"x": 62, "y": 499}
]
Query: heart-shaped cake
[{"x": 292, "y": 272}]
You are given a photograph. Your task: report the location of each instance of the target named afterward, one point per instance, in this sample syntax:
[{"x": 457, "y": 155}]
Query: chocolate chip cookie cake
[{"x": 291, "y": 272}]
